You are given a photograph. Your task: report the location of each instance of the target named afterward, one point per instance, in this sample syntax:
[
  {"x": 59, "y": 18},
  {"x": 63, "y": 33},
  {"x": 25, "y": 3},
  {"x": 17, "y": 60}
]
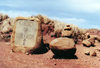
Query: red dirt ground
[{"x": 9, "y": 59}]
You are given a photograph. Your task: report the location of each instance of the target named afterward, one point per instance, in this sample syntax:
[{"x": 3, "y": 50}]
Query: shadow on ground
[{"x": 65, "y": 57}]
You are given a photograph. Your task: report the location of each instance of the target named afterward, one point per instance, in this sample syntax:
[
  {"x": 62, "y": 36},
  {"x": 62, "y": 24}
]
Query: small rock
[
  {"x": 93, "y": 52},
  {"x": 86, "y": 43},
  {"x": 67, "y": 31},
  {"x": 87, "y": 52},
  {"x": 97, "y": 48},
  {"x": 92, "y": 41},
  {"x": 98, "y": 38}
]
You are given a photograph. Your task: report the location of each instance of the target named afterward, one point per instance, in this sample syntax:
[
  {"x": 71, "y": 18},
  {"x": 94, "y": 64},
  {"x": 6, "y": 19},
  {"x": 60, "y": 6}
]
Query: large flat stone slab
[{"x": 26, "y": 36}]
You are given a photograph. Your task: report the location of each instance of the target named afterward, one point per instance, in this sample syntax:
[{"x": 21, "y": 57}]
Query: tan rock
[
  {"x": 92, "y": 40},
  {"x": 7, "y": 25},
  {"x": 90, "y": 51},
  {"x": 93, "y": 53},
  {"x": 93, "y": 36},
  {"x": 97, "y": 51},
  {"x": 67, "y": 28},
  {"x": 87, "y": 51},
  {"x": 97, "y": 48},
  {"x": 66, "y": 33},
  {"x": 63, "y": 46},
  {"x": 98, "y": 38},
  {"x": 26, "y": 36},
  {"x": 3, "y": 17},
  {"x": 86, "y": 43},
  {"x": 87, "y": 35},
  {"x": 6, "y": 29}
]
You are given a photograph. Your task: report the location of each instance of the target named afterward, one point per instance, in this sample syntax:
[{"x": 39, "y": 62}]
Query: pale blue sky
[{"x": 83, "y": 13}]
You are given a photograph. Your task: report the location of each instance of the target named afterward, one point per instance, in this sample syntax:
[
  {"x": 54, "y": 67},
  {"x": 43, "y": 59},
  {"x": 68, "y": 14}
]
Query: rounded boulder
[{"x": 63, "y": 46}]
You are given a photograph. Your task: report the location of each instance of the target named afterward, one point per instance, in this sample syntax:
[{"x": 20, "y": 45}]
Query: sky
[{"x": 83, "y": 13}]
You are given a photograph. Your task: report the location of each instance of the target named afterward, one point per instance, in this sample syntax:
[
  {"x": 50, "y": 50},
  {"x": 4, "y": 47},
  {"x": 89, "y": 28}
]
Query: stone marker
[
  {"x": 63, "y": 46},
  {"x": 26, "y": 35},
  {"x": 67, "y": 31}
]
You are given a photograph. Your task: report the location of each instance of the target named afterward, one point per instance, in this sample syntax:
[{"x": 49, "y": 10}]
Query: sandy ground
[{"x": 9, "y": 59}]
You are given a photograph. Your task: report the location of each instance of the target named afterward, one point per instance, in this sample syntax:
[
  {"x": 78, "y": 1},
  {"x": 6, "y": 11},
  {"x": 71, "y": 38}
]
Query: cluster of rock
[
  {"x": 90, "y": 43},
  {"x": 44, "y": 31},
  {"x": 29, "y": 34},
  {"x": 6, "y": 24}
]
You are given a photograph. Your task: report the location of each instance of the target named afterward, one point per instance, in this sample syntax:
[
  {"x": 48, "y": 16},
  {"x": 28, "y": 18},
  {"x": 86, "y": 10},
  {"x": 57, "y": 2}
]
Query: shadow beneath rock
[
  {"x": 65, "y": 57},
  {"x": 41, "y": 50}
]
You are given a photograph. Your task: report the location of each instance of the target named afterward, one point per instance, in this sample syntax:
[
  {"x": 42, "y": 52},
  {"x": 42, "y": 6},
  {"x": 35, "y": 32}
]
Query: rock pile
[
  {"x": 3, "y": 17},
  {"x": 47, "y": 29},
  {"x": 6, "y": 28},
  {"x": 90, "y": 42}
]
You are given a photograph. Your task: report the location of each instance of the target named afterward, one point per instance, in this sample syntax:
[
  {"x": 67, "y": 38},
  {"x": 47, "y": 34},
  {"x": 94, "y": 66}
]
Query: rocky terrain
[
  {"x": 9, "y": 59},
  {"x": 66, "y": 46}
]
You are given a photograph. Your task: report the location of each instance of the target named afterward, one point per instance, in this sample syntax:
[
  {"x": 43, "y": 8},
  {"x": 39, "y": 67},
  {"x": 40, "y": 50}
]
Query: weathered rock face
[
  {"x": 48, "y": 33},
  {"x": 7, "y": 25},
  {"x": 3, "y": 17},
  {"x": 47, "y": 28},
  {"x": 6, "y": 29},
  {"x": 63, "y": 46},
  {"x": 26, "y": 36}
]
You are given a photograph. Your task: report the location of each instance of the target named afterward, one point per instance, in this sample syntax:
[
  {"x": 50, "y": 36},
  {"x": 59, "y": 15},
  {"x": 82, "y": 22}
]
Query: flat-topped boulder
[{"x": 63, "y": 46}]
